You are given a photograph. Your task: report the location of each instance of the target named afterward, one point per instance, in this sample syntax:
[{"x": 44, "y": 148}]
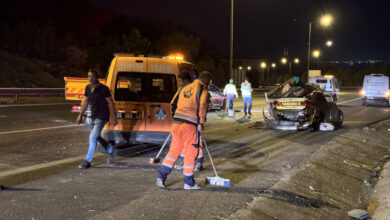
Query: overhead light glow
[{"x": 263, "y": 65}]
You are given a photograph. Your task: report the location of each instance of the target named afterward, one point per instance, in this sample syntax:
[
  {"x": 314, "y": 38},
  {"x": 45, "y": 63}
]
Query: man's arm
[
  {"x": 111, "y": 107},
  {"x": 203, "y": 106},
  {"x": 235, "y": 91},
  {"x": 84, "y": 105}
]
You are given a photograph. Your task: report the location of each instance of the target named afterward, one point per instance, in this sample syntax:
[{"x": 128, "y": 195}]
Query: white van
[
  {"x": 329, "y": 84},
  {"x": 375, "y": 89}
]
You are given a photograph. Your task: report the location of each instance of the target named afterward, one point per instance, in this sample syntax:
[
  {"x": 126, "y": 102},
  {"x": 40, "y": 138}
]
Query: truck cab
[
  {"x": 142, "y": 89},
  {"x": 330, "y": 86}
]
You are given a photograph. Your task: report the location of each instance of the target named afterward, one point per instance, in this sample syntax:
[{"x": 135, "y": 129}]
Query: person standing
[
  {"x": 246, "y": 92},
  {"x": 188, "y": 120},
  {"x": 98, "y": 97},
  {"x": 230, "y": 91}
]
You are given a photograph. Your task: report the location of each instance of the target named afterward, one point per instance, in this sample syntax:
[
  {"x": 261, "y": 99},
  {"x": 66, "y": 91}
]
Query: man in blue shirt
[
  {"x": 98, "y": 97},
  {"x": 246, "y": 91}
]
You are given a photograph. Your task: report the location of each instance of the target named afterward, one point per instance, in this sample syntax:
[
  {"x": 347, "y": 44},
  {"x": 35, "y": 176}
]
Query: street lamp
[
  {"x": 316, "y": 54},
  {"x": 325, "y": 20},
  {"x": 273, "y": 65},
  {"x": 284, "y": 60},
  {"x": 264, "y": 65},
  {"x": 296, "y": 60},
  {"x": 329, "y": 43},
  {"x": 249, "y": 67}
]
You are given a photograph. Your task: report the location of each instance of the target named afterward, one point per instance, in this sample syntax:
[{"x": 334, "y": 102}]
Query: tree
[{"x": 178, "y": 42}]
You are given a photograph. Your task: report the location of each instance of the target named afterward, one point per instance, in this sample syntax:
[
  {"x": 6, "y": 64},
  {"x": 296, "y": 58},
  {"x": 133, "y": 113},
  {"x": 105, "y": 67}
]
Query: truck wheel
[{"x": 341, "y": 120}]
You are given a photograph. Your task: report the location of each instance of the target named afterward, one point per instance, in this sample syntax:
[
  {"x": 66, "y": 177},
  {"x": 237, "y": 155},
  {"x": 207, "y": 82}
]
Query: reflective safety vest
[
  {"x": 192, "y": 103},
  {"x": 246, "y": 89}
]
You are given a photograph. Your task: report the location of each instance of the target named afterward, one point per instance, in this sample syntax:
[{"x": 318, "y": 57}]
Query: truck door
[
  {"x": 129, "y": 97},
  {"x": 161, "y": 89}
]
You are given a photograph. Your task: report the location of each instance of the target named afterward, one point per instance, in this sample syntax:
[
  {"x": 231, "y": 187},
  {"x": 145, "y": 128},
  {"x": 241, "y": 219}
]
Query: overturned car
[{"x": 297, "y": 106}]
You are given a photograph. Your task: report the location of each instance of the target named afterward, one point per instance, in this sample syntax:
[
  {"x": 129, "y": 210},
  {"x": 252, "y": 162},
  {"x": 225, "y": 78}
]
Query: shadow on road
[
  {"x": 275, "y": 194},
  {"x": 19, "y": 189}
]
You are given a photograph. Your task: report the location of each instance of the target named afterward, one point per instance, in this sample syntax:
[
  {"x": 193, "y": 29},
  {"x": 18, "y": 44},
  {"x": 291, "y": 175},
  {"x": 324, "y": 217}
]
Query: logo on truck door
[{"x": 161, "y": 114}]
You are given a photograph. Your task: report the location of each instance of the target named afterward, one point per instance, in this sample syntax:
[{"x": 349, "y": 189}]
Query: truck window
[
  {"x": 322, "y": 81},
  {"x": 145, "y": 87}
]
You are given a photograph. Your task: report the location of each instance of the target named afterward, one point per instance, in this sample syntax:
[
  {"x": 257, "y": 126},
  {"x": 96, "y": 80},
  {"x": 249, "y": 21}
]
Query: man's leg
[
  {"x": 250, "y": 105},
  {"x": 174, "y": 151},
  {"x": 191, "y": 147},
  {"x": 97, "y": 127},
  {"x": 245, "y": 102},
  {"x": 230, "y": 98}
]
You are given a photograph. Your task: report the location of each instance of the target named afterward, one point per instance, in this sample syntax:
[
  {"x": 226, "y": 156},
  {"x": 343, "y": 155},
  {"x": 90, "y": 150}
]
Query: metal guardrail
[{"x": 16, "y": 92}]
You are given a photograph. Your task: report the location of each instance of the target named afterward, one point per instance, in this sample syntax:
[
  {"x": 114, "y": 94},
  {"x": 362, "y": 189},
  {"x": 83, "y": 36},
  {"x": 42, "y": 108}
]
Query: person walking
[
  {"x": 246, "y": 92},
  {"x": 98, "y": 97},
  {"x": 230, "y": 91},
  {"x": 188, "y": 120}
]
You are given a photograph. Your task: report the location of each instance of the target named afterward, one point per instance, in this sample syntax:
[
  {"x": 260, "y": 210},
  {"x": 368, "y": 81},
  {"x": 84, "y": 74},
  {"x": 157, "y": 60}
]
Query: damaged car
[{"x": 296, "y": 106}]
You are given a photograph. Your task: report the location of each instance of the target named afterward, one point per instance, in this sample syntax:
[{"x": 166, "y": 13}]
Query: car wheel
[
  {"x": 341, "y": 120},
  {"x": 315, "y": 121}
]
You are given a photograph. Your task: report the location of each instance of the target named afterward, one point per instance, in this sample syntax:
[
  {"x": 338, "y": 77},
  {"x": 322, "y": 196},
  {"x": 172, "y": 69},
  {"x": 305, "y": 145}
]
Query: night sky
[{"x": 263, "y": 29}]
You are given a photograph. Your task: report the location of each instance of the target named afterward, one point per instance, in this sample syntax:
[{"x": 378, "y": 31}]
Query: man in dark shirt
[{"x": 98, "y": 97}]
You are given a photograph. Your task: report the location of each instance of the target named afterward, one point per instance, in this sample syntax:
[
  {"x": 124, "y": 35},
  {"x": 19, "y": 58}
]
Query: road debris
[
  {"x": 358, "y": 214},
  {"x": 352, "y": 164},
  {"x": 367, "y": 183}
]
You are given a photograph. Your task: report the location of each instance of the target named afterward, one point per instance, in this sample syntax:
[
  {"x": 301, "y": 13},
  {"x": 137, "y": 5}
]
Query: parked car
[
  {"x": 217, "y": 99},
  {"x": 295, "y": 106}
]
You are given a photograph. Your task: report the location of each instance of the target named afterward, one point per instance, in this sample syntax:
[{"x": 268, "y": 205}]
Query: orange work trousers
[{"x": 185, "y": 137}]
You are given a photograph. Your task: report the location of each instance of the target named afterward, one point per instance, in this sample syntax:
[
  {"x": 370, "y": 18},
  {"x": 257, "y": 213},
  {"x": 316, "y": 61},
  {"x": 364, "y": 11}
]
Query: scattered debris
[
  {"x": 367, "y": 183},
  {"x": 75, "y": 197},
  {"x": 373, "y": 129},
  {"x": 312, "y": 188},
  {"x": 362, "y": 155},
  {"x": 352, "y": 164},
  {"x": 374, "y": 173},
  {"x": 364, "y": 141},
  {"x": 366, "y": 128},
  {"x": 358, "y": 214},
  {"x": 388, "y": 129},
  {"x": 386, "y": 157}
]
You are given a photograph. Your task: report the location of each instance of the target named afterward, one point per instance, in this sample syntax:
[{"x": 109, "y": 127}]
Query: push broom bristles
[{"x": 217, "y": 180}]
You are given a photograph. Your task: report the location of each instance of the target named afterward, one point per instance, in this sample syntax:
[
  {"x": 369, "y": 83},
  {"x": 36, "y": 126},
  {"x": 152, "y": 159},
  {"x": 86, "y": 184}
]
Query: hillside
[{"x": 23, "y": 72}]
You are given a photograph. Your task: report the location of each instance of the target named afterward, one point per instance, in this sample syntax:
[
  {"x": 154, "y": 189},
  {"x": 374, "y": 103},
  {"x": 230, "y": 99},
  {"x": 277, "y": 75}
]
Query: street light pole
[
  {"x": 231, "y": 39},
  {"x": 308, "y": 51},
  {"x": 289, "y": 68}
]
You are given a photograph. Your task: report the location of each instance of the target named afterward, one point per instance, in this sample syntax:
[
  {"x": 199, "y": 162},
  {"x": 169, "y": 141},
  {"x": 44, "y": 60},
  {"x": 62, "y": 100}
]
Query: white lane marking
[
  {"x": 348, "y": 101},
  {"x": 37, "y": 129},
  {"x": 24, "y": 105}
]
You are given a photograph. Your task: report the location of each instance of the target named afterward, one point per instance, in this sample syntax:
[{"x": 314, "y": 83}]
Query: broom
[
  {"x": 157, "y": 159},
  {"x": 217, "y": 180}
]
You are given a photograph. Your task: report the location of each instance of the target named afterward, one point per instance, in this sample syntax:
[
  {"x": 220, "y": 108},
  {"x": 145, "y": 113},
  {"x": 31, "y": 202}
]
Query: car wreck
[{"x": 297, "y": 106}]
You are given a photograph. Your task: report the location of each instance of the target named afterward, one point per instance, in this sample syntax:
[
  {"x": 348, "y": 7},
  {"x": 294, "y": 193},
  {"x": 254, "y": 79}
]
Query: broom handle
[
  {"x": 166, "y": 141},
  {"x": 208, "y": 152}
]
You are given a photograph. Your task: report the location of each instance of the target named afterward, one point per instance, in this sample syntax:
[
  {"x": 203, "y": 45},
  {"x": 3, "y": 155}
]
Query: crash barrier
[{"x": 17, "y": 92}]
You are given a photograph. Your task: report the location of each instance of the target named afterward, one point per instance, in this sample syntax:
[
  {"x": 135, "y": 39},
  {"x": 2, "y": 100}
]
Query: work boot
[
  {"x": 194, "y": 187},
  {"x": 198, "y": 167},
  {"x": 111, "y": 156},
  {"x": 179, "y": 166},
  {"x": 161, "y": 183},
  {"x": 250, "y": 113},
  {"x": 245, "y": 114},
  {"x": 85, "y": 165}
]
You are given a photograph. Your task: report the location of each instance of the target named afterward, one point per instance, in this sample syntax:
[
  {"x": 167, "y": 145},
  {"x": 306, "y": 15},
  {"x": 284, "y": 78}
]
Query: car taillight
[
  {"x": 276, "y": 103},
  {"x": 306, "y": 103},
  {"x": 363, "y": 92},
  {"x": 76, "y": 108}
]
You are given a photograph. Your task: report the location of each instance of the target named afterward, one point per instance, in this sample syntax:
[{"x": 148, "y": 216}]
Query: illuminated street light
[
  {"x": 316, "y": 53},
  {"x": 273, "y": 65},
  {"x": 326, "y": 20},
  {"x": 240, "y": 67},
  {"x": 329, "y": 43},
  {"x": 249, "y": 67},
  {"x": 263, "y": 65},
  {"x": 284, "y": 60},
  {"x": 296, "y": 60}
]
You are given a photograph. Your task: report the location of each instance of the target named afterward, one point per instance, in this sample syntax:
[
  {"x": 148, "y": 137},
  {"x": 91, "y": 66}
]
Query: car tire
[
  {"x": 364, "y": 103},
  {"x": 341, "y": 120}
]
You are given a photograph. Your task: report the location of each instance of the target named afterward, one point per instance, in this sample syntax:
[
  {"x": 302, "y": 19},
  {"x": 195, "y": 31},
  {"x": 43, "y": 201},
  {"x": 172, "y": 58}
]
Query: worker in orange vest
[{"x": 189, "y": 117}]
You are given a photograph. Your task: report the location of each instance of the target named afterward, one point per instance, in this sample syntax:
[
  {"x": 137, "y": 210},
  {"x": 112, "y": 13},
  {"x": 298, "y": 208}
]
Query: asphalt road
[{"x": 244, "y": 151}]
